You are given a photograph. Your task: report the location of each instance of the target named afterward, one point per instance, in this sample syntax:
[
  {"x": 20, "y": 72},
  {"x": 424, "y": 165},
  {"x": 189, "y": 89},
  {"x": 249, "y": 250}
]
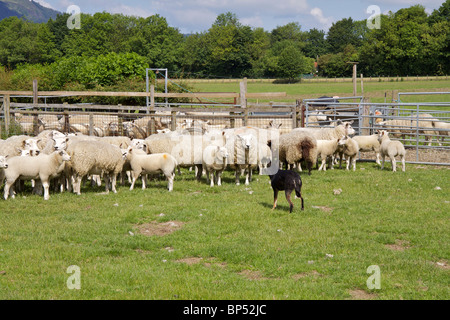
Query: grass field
[
  {"x": 375, "y": 91},
  {"x": 228, "y": 244}
]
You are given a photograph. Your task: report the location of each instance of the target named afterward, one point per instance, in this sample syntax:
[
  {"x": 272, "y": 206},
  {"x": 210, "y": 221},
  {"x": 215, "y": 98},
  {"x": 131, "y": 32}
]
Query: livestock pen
[{"x": 426, "y": 135}]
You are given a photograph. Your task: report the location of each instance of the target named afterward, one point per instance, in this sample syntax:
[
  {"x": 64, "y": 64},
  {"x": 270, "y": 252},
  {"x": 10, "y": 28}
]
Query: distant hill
[{"x": 30, "y": 10}]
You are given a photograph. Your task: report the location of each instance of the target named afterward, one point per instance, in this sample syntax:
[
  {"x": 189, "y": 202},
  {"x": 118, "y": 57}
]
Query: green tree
[
  {"x": 292, "y": 63},
  {"x": 315, "y": 43},
  {"x": 343, "y": 33},
  {"x": 25, "y": 42}
]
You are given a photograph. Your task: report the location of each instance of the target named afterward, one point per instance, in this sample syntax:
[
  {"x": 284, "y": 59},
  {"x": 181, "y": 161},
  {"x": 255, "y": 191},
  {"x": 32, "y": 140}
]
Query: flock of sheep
[{"x": 68, "y": 159}]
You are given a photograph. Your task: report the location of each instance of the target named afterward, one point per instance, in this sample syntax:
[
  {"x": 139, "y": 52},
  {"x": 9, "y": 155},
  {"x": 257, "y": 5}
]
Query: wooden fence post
[
  {"x": 365, "y": 120},
  {"x": 35, "y": 108},
  {"x": 7, "y": 104},
  {"x": 91, "y": 124},
  {"x": 66, "y": 127},
  {"x": 173, "y": 122},
  {"x": 120, "y": 120},
  {"x": 245, "y": 119},
  {"x": 243, "y": 93}
]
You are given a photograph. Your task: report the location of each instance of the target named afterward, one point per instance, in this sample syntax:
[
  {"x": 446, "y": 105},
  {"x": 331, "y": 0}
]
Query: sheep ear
[
  {"x": 352, "y": 121},
  {"x": 339, "y": 121}
]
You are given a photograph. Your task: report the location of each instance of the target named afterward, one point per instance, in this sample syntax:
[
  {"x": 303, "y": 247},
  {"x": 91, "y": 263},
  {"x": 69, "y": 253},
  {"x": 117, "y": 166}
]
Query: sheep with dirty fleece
[
  {"x": 297, "y": 146},
  {"x": 325, "y": 151},
  {"x": 342, "y": 129},
  {"x": 43, "y": 167},
  {"x": 94, "y": 157},
  {"x": 348, "y": 147},
  {"x": 214, "y": 163},
  {"x": 369, "y": 143},
  {"x": 391, "y": 149},
  {"x": 151, "y": 164}
]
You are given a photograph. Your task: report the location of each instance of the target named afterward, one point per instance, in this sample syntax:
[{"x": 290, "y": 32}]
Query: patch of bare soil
[
  {"x": 443, "y": 265},
  {"x": 158, "y": 229},
  {"x": 190, "y": 260},
  {"x": 313, "y": 273},
  {"x": 400, "y": 245},
  {"x": 253, "y": 275},
  {"x": 323, "y": 208},
  {"x": 358, "y": 294}
]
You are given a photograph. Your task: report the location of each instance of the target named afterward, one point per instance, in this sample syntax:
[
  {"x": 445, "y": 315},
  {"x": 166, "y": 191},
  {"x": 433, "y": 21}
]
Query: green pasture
[
  {"x": 229, "y": 244},
  {"x": 376, "y": 91}
]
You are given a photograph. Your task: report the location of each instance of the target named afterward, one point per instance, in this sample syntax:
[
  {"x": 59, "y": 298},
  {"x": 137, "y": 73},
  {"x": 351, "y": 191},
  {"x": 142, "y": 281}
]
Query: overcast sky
[{"x": 191, "y": 16}]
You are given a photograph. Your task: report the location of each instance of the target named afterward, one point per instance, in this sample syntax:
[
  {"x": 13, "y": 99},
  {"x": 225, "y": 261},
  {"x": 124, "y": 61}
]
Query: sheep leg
[
  {"x": 132, "y": 183},
  {"x": 113, "y": 183},
  {"x": 237, "y": 177},
  {"x": 322, "y": 165},
  {"x": 211, "y": 176},
  {"x": 106, "y": 183},
  {"x": 77, "y": 187},
  {"x": 219, "y": 182},
  {"x": 383, "y": 158},
  {"x": 170, "y": 184},
  {"x": 394, "y": 164},
  {"x": 7, "y": 189},
  {"x": 198, "y": 171},
  {"x": 144, "y": 181},
  {"x": 135, "y": 175},
  {"x": 378, "y": 159},
  {"x": 403, "y": 164},
  {"x": 247, "y": 175},
  {"x": 275, "y": 198},
  {"x": 46, "y": 191}
]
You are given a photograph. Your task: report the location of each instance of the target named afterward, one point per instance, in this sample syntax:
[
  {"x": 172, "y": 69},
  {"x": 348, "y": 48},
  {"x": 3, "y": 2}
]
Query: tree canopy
[{"x": 115, "y": 47}]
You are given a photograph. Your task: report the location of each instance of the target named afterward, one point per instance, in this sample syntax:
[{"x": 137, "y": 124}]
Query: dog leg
[
  {"x": 275, "y": 198},
  {"x": 288, "y": 198}
]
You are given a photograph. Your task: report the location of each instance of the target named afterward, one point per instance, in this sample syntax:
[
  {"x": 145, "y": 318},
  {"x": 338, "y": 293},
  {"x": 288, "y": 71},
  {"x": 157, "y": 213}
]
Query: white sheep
[
  {"x": 3, "y": 163},
  {"x": 43, "y": 167},
  {"x": 401, "y": 127},
  {"x": 214, "y": 162},
  {"x": 94, "y": 158},
  {"x": 151, "y": 164},
  {"x": 342, "y": 129},
  {"x": 369, "y": 143},
  {"x": 326, "y": 149},
  {"x": 243, "y": 153},
  {"x": 264, "y": 156},
  {"x": 348, "y": 147},
  {"x": 442, "y": 129},
  {"x": 315, "y": 118},
  {"x": 10, "y": 146},
  {"x": 391, "y": 149}
]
